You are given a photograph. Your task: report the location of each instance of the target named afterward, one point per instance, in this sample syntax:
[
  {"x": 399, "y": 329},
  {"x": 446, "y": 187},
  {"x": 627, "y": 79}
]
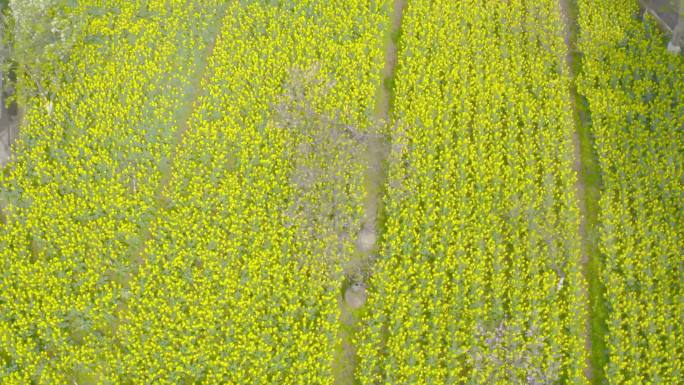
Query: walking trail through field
[
  {"x": 587, "y": 195},
  {"x": 10, "y": 122},
  {"x": 345, "y": 361}
]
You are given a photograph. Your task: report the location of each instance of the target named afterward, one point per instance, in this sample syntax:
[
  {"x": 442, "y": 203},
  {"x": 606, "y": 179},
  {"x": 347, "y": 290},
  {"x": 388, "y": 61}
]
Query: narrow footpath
[
  {"x": 588, "y": 192},
  {"x": 353, "y": 297}
]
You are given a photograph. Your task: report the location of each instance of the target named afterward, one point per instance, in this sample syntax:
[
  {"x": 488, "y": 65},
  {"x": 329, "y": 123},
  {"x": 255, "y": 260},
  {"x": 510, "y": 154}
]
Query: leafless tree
[
  {"x": 325, "y": 155},
  {"x": 677, "y": 40}
]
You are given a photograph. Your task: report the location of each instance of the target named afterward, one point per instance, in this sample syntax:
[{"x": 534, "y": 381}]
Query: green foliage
[
  {"x": 634, "y": 89},
  {"x": 39, "y": 36},
  {"x": 161, "y": 248},
  {"x": 83, "y": 182},
  {"x": 479, "y": 280},
  {"x": 243, "y": 271},
  {"x": 176, "y": 217}
]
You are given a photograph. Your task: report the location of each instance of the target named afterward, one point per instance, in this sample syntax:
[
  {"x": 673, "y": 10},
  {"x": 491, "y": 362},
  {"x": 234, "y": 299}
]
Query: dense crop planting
[
  {"x": 479, "y": 281},
  {"x": 241, "y": 278},
  {"x": 237, "y": 277},
  {"x": 82, "y": 187},
  {"x": 634, "y": 89},
  {"x": 197, "y": 180}
]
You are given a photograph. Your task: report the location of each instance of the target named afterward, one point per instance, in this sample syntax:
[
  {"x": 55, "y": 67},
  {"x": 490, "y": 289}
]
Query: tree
[
  {"x": 669, "y": 7},
  {"x": 37, "y": 36},
  {"x": 678, "y": 32}
]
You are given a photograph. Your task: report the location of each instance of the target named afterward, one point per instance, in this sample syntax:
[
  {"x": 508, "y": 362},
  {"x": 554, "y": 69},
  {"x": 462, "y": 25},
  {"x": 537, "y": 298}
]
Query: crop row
[
  {"x": 634, "y": 90},
  {"x": 82, "y": 187},
  {"x": 242, "y": 273},
  {"x": 479, "y": 278}
]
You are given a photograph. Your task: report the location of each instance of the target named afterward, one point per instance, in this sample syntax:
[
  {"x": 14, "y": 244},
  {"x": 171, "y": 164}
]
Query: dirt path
[
  {"x": 587, "y": 195},
  {"x": 7, "y": 135},
  {"x": 10, "y": 122},
  {"x": 344, "y": 364},
  {"x": 378, "y": 145}
]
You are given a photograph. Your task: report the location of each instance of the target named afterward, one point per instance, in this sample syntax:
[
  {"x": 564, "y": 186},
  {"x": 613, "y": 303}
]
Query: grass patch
[{"x": 590, "y": 176}]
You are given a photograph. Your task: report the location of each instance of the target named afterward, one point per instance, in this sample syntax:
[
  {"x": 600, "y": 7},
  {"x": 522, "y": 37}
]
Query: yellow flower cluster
[
  {"x": 481, "y": 281},
  {"x": 155, "y": 228},
  {"x": 83, "y": 186},
  {"x": 108, "y": 279},
  {"x": 231, "y": 289},
  {"x": 635, "y": 90},
  {"x": 225, "y": 290}
]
